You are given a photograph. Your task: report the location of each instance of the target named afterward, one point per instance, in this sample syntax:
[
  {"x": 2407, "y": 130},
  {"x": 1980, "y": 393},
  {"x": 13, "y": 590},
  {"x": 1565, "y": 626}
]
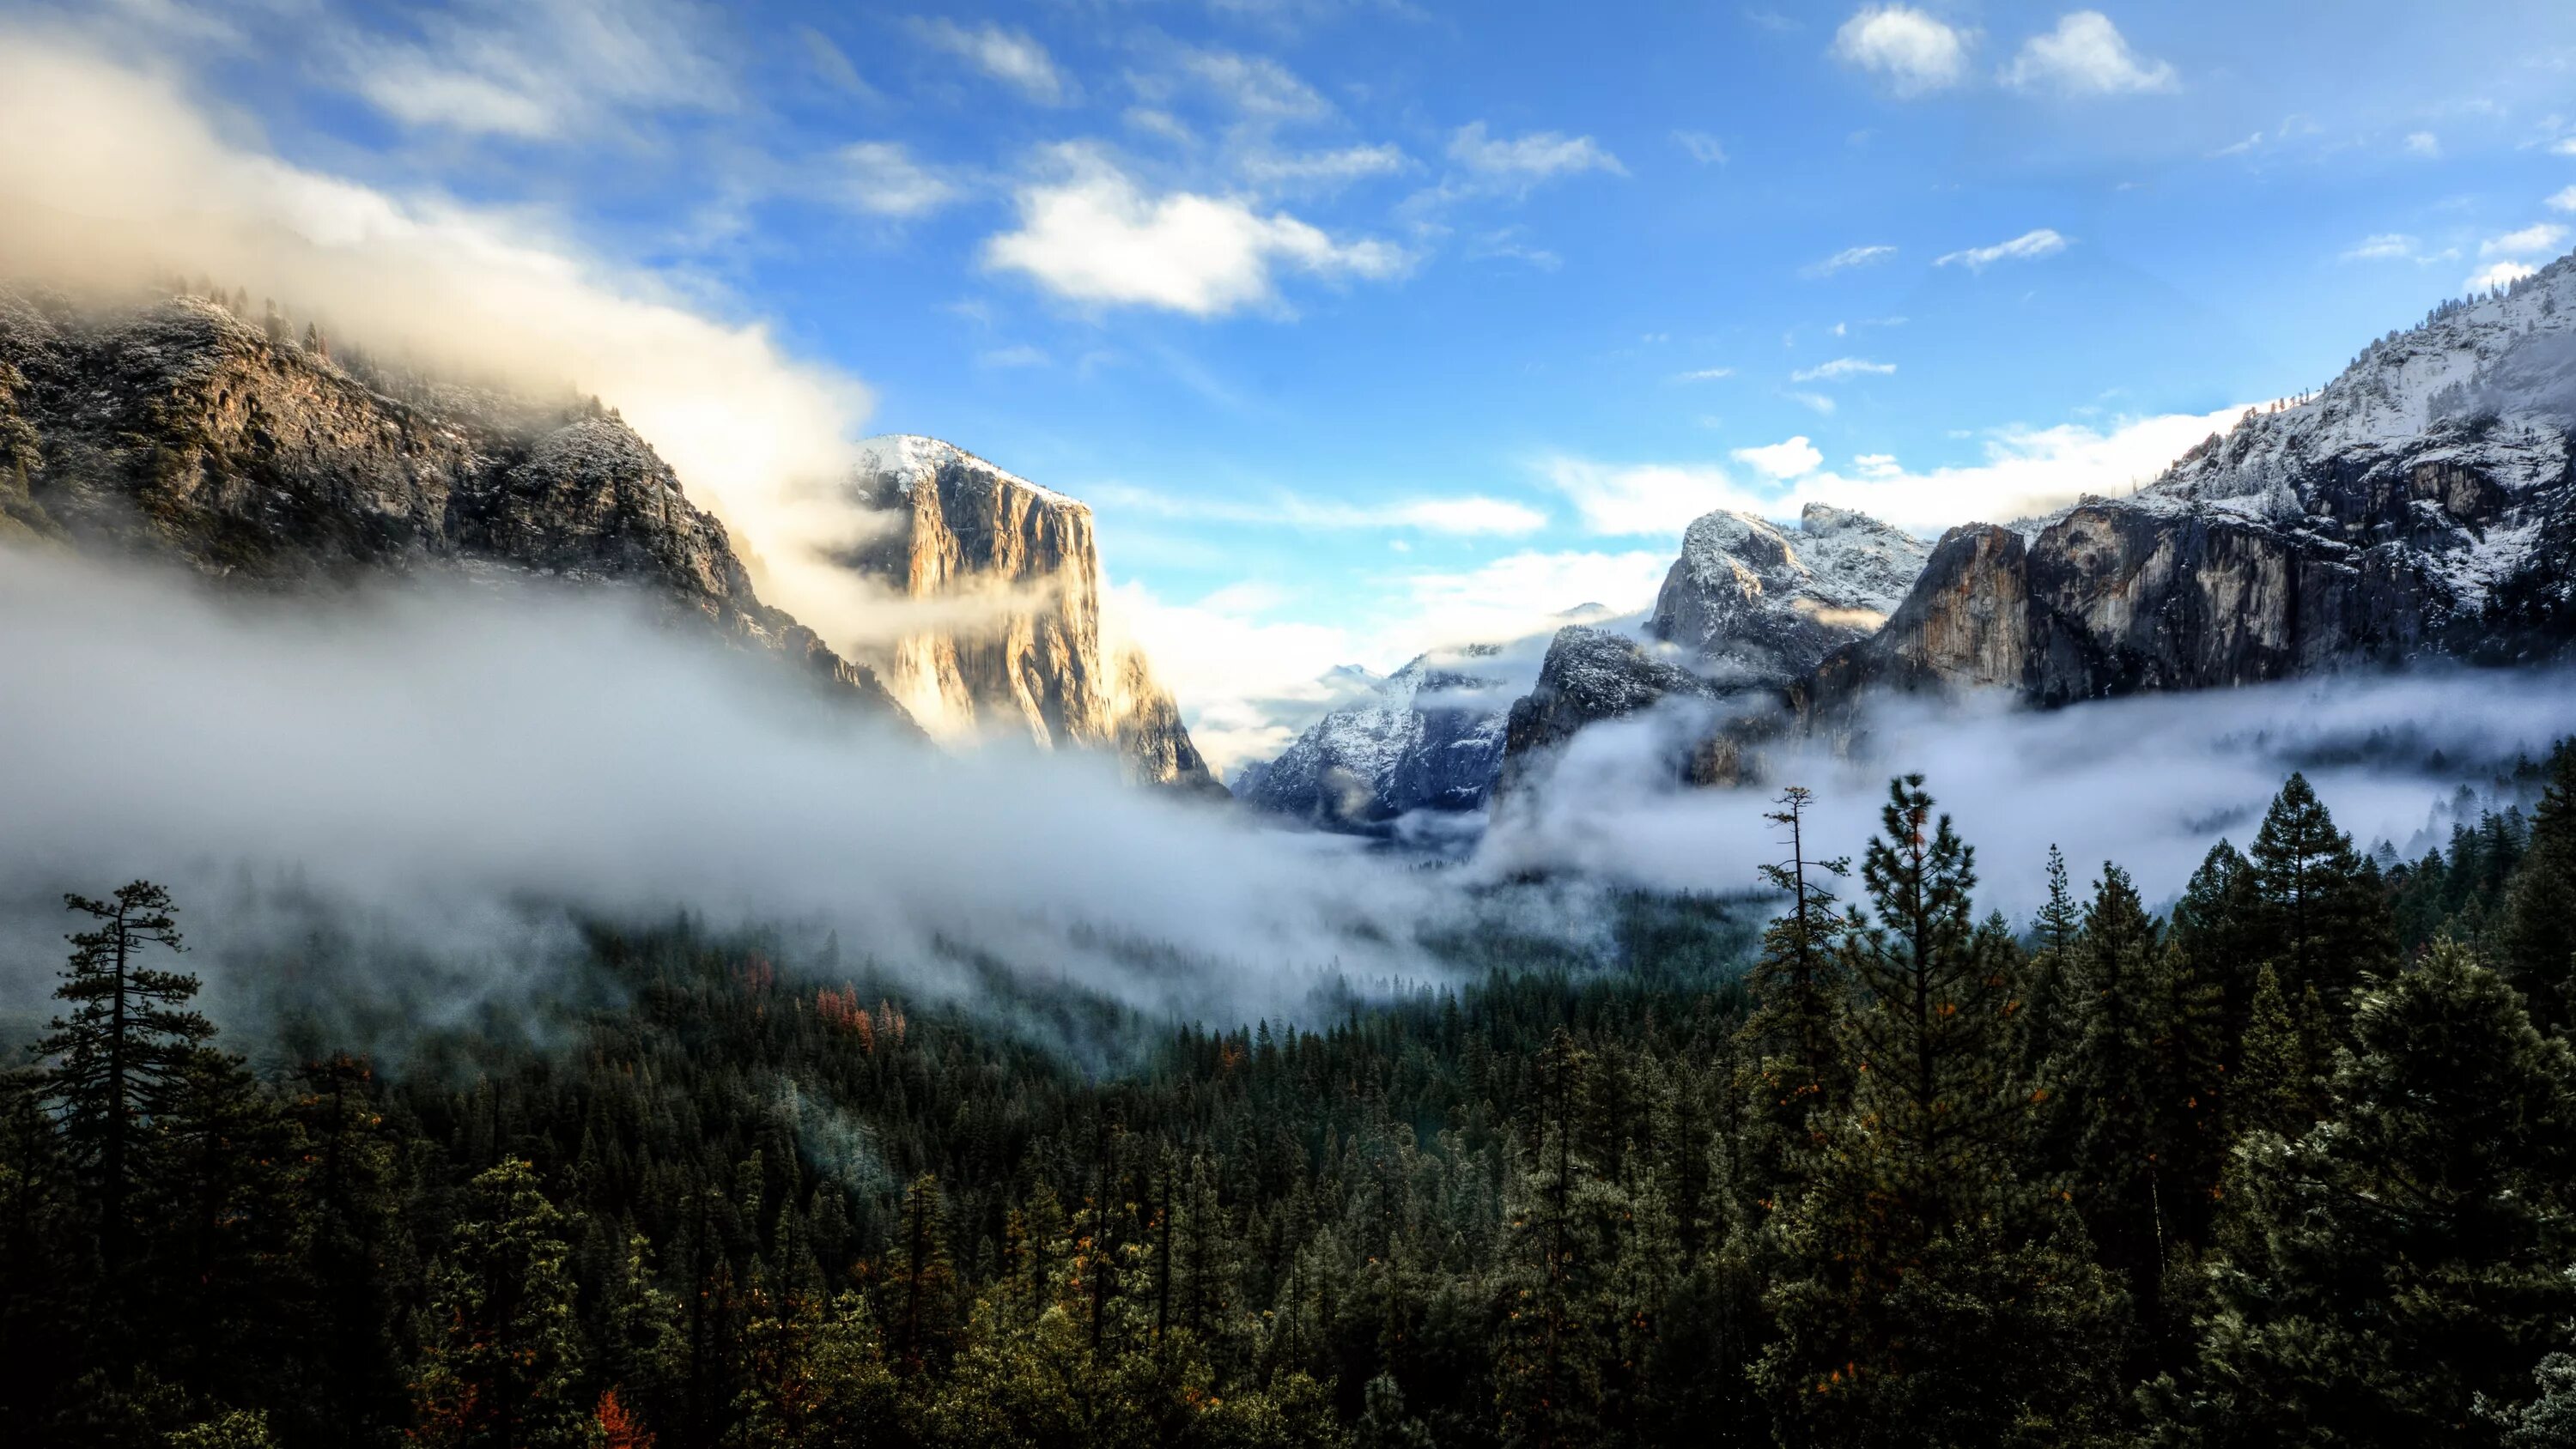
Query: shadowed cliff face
[
  {"x": 178, "y": 429},
  {"x": 1017, "y": 649}
]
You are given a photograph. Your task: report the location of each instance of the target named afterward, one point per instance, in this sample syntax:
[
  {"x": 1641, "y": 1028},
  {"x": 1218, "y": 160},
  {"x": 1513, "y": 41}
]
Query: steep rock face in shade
[
  {"x": 1427, "y": 737},
  {"x": 176, "y": 429},
  {"x": 1593, "y": 674},
  {"x": 1007, "y": 575},
  {"x": 2421, "y": 505}
]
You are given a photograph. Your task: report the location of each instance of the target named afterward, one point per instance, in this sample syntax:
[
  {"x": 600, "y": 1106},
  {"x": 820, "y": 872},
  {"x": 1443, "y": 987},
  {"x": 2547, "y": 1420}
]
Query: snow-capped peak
[{"x": 910, "y": 457}]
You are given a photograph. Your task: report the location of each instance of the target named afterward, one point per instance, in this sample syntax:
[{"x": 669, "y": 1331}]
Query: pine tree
[
  {"x": 1930, "y": 1295},
  {"x": 2323, "y": 918},
  {"x": 1793, "y": 1056},
  {"x": 2110, "y": 1080},
  {"x": 120, "y": 1058},
  {"x": 2539, "y": 932},
  {"x": 2049, "y": 1017},
  {"x": 2215, "y": 928},
  {"x": 501, "y": 1358},
  {"x": 2408, "y": 1254}
]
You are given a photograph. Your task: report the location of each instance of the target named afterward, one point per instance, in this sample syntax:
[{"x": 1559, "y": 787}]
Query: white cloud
[
  {"x": 1022, "y": 355},
  {"x": 1538, "y": 156},
  {"x": 2025, "y": 471},
  {"x": 2384, "y": 246},
  {"x": 881, "y": 178},
  {"x": 1522, "y": 594},
  {"x": 1255, "y": 85},
  {"x": 1643, "y": 499},
  {"x": 2423, "y": 143},
  {"x": 1324, "y": 169},
  {"x": 108, "y": 162},
  {"x": 1012, "y": 57},
  {"x": 541, "y": 70},
  {"x": 1914, "y": 53},
  {"x": 1846, "y": 258},
  {"x": 1250, "y": 683},
  {"x": 1792, "y": 459},
  {"x": 2538, "y": 239},
  {"x": 1469, "y": 516},
  {"x": 2028, "y": 246},
  {"x": 1704, "y": 374},
  {"x": 1701, "y": 147},
  {"x": 2564, "y": 146},
  {"x": 1814, "y": 401},
  {"x": 1842, "y": 367},
  {"x": 1090, "y": 234},
  {"x": 2500, "y": 274},
  {"x": 2086, "y": 56},
  {"x": 2564, "y": 200}
]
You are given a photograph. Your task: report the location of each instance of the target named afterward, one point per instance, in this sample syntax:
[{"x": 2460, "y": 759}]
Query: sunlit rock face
[
  {"x": 179, "y": 429},
  {"x": 1004, "y": 578},
  {"x": 2419, "y": 506}
]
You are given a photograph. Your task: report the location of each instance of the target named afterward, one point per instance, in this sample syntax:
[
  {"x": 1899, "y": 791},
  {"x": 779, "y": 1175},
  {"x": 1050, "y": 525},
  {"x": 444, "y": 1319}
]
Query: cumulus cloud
[
  {"x": 2028, "y": 246},
  {"x": 1090, "y": 233},
  {"x": 1701, "y": 147},
  {"x": 1912, "y": 53},
  {"x": 1523, "y": 160},
  {"x": 1013, "y": 57},
  {"x": 2563, "y": 200},
  {"x": 1842, "y": 367},
  {"x": 2086, "y": 55},
  {"x": 1847, "y": 258},
  {"x": 113, "y": 175},
  {"x": 2498, "y": 274},
  {"x": 1794, "y": 458},
  {"x": 881, "y": 179}
]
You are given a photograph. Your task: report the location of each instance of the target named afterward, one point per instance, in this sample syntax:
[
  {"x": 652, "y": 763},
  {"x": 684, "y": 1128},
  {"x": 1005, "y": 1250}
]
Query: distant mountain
[
  {"x": 176, "y": 428},
  {"x": 1747, "y": 610},
  {"x": 2421, "y": 505},
  {"x": 1427, "y": 737},
  {"x": 1017, "y": 648}
]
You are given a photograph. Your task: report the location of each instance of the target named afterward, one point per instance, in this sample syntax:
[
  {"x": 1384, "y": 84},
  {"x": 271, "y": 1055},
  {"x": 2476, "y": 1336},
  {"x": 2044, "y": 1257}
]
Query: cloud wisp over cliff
[{"x": 467, "y": 771}]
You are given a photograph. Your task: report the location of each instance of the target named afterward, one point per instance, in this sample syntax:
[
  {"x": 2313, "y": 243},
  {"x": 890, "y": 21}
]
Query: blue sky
[{"x": 1366, "y": 325}]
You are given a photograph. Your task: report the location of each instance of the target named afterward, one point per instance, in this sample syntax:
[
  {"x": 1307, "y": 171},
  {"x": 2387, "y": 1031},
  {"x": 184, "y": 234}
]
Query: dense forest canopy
[{"x": 2290, "y": 1162}]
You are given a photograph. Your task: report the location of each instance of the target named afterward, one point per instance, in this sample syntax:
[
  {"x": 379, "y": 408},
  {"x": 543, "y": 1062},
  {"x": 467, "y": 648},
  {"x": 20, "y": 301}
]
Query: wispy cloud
[
  {"x": 1701, "y": 147},
  {"x": 2086, "y": 56},
  {"x": 1842, "y": 367},
  {"x": 1473, "y": 515},
  {"x": 2564, "y": 200},
  {"x": 2028, "y": 246},
  {"x": 1538, "y": 156},
  {"x": 1325, "y": 169},
  {"x": 1846, "y": 259},
  {"x": 1012, "y": 57},
  {"x": 2538, "y": 239},
  {"x": 2423, "y": 143},
  {"x": 881, "y": 179},
  {"x": 1704, "y": 374}
]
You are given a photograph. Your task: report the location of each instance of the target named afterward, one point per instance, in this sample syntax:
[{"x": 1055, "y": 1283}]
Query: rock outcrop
[
  {"x": 1428, "y": 737},
  {"x": 1005, "y": 576},
  {"x": 176, "y": 429},
  {"x": 2421, "y": 505}
]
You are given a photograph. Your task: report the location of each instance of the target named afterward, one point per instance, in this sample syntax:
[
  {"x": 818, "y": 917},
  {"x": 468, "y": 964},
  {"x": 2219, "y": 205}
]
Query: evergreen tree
[
  {"x": 2408, "y": 1254},
  {"x": 119, "y": 1058},
  {"x": 2322, "y": 917},
  {"x": 2539, "y": 933},
  {"x": 501, "y": 1360},
  {"x": 1929, "y": 1294},
  {"x": 1793, "y": 1054}
]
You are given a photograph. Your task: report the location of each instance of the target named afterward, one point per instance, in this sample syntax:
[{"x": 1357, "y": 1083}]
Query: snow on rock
[{"x": 1759, "y": 604}]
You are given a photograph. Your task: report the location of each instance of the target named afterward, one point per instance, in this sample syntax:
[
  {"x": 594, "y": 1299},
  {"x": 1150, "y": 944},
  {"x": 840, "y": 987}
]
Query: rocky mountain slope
[
  {"x": 1428, "y": 737},
  {"x": 1746, "y": 611},
  {"x": 176, "y": 428},
  {"x": 2421, "y": 505},
  {"x": 1007, "y": 576}
]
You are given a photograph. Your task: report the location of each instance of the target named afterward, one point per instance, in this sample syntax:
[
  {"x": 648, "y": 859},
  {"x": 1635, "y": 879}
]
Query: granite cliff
[
  {"x": 1006, "y": 575},
  {"x": 174, "y": 428}
]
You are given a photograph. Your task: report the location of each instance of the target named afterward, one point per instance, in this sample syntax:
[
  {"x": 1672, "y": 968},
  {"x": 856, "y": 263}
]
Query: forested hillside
[{"x": 2293, "y": 1162}]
